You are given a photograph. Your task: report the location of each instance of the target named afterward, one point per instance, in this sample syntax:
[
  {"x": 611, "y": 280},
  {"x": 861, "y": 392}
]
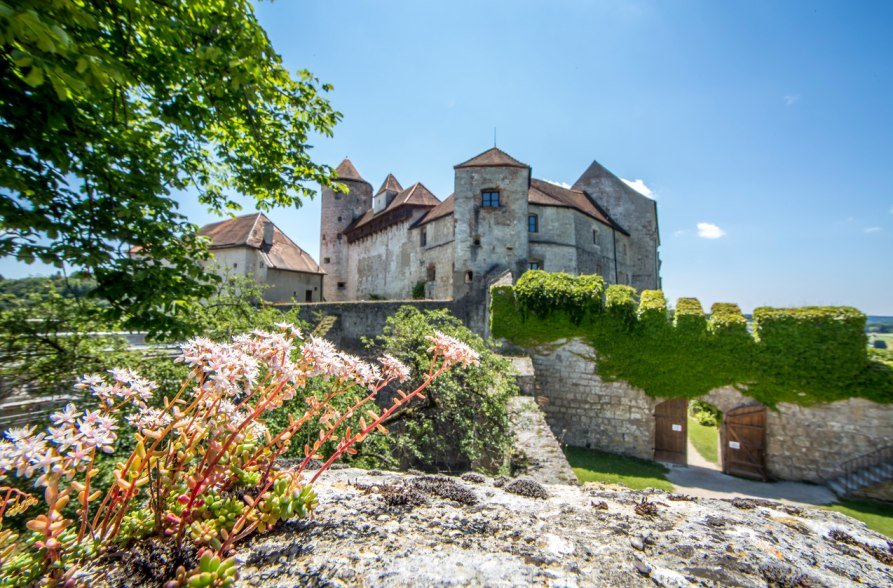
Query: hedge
[{"x": 799, "y": 355}]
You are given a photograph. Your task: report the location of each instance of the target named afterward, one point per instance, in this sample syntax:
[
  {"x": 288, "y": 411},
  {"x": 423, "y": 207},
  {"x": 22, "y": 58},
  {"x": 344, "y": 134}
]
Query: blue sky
[{"x": 770, "y": 121}]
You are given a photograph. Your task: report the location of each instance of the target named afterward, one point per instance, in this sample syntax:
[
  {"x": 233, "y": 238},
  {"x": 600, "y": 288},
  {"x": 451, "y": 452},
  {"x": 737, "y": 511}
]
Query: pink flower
[
  {"x": 67, "y": 415},
  {"x": 393, "y": 368},
  {"x": 453, "y": 351}
]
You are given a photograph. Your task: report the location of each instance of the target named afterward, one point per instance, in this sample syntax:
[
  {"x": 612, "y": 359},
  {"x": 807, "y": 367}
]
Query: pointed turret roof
[
  {"x": 390, "y": 185},
  {"x": 347, "y": 172},
  {"x": 494, "y": 157}
]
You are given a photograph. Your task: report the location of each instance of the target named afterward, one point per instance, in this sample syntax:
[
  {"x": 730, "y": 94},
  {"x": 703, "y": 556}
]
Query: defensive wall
[{"x": 358, "y": 319}]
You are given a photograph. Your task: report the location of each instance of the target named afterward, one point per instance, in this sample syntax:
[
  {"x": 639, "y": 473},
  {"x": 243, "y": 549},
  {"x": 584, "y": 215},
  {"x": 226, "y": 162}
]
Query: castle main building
[{"x": 388, "y": 243}]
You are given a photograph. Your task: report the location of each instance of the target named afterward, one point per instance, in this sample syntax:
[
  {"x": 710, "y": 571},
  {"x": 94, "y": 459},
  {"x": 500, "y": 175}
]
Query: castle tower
[
  {"x": 491, "y": 219},
  {"x": 339, "y": 210},
  {"x": 634, "y": 212}
]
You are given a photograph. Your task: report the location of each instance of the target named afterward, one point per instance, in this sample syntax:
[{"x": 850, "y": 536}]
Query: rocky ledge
[{"x": 391, "y": 529}]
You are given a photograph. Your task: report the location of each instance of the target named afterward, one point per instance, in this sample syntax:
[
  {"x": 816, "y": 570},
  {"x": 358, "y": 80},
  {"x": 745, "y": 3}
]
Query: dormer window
[
  {"x": 533, "y": 223},
  {"x": 490, "y": 199}
]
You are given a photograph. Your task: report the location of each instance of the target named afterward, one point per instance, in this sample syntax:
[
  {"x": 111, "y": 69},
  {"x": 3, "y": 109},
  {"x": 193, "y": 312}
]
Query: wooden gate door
[
  {"x": 744, "y": 442},
  {"x": 671, "y": 431}
]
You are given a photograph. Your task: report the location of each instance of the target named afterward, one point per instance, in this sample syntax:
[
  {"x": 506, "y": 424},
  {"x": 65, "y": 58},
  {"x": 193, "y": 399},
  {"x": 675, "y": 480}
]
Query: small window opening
[
  {"x": 339, "y": 219},
  {"x": 327, "y": 260},
  {"x": 235, "y": 265},
  {"x": 341, "y": 285},
  {"x": 535, "y": 264},
  {"x": 533, "y": 223},
  {"x": 595, "y": 236},
  {"x": 432, "y": 272},
  {"x": 477, "y": 241},
  {"x": 469, "y": 276},
  {"x": 490, "y": 199},
  {"x": 423, "y": 237}
]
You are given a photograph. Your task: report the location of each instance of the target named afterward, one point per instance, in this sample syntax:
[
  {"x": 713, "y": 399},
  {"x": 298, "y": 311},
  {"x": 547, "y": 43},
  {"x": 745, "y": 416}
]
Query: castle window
[
  {"x": 423, "y": 237},
  {"x": 535, "y": 264},
  {"x": 339, "y": 219},
  {"x": 469, "y": 276},
  {"x": 477, "y": 241},
  {"x": 342, "y": 285},
  {"x": 327, "y": 260},
  {"x": 432, "y": 272},
  {"x": 595, "y": 236},
  {"x": 490, "y": 199},
  {"x": 235, "y": 265},
  {"x": 533, "y": 223}
]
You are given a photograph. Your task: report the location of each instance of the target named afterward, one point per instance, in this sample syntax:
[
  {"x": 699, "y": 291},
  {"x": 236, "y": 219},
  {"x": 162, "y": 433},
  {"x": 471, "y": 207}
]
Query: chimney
[{"x": 268, "y": 233}]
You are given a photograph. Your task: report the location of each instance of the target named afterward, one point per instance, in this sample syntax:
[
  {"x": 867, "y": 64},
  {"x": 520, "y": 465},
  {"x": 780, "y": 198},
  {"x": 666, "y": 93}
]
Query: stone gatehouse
[{"x": 802, "y": 443}]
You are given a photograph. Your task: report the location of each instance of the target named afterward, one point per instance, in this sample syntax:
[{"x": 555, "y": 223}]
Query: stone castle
[{"x": 397, "y": 241}]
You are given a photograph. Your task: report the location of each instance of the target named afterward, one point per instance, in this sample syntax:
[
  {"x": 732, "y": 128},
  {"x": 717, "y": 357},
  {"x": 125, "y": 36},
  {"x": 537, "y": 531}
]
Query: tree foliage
[{"x": 108, "y": 109}]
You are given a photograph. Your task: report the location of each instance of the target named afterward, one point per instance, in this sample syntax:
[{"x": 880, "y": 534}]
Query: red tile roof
[
  {"x": 548, "y": 194},
  {"x": 346, "y": 171},
  {"x": 445, "y": 208},
  {"x": 248, "y": 231},
  {"x": 399, "y": 210},
  {"x": 390, "y": 185},
  {"x": 494, "y": 157}
]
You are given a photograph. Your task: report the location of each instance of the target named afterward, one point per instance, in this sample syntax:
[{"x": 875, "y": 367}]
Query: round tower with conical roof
[{"x": 339, "y": 211}]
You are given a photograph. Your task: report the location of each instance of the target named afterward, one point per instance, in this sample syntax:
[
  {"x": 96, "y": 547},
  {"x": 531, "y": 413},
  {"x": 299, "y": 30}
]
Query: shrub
[
  {"x": 689, "y": 318},
  {"x": 620, "y": 303},
  {"x": 726, "y": 317},
  {"x": 811, "y": 349},
  {"x": 541, "y": 293},
  {"x": 204, "y": 465},
  {"x": 463, "y": 422},
  {"x": 652, "y": 310},
  {"x": 418, "y": 291},
  {"x": 803, "y": 356},
  {"x": 706, "y": 414}
]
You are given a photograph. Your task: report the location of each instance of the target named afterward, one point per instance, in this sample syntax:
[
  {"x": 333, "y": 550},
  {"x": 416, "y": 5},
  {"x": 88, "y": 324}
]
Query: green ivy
[{"x": 801, "y": 355}]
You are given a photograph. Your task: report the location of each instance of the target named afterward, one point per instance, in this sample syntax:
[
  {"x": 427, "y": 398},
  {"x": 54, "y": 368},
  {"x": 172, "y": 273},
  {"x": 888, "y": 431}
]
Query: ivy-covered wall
[{"x": 802, "y": 356}]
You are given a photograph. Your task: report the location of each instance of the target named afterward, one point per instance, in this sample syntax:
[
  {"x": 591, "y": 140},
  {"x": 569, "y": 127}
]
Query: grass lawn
[
  {"x": 591, "y": 465},
  {"x": 877, "y": 515},
  {"x": 705, "y": 440}
]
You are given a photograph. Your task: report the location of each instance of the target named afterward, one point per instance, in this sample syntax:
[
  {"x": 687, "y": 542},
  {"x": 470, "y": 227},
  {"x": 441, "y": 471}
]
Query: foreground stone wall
[
  {"x": 802, "y": 443},
  {"x": 355, "y": 320},
  {"x": 585, "y": 411}
]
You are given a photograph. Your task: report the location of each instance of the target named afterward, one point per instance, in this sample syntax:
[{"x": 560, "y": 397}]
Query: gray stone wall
[
  {"x": 637, "y": 214},
  {"x": 802, "y": 443},
  {"x": 355, "y": 320},
  {"x": 489, "y": 240},
  {"x": 338, "y": 211},
  {"x": 585, "y": 411},
  {"x": 439, "y": 251},
  {"x": 388, "y": 263}
]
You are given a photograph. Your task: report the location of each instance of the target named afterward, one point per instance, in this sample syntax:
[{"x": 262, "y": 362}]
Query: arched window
[{"x": 533, "y": 223}]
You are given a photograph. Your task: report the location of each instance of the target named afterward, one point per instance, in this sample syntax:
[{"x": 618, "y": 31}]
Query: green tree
[{"x": 108, "y": 109}]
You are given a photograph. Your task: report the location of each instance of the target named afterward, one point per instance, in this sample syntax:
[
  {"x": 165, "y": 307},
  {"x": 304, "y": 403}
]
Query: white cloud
[
  {"x": 640, "y": 187},
  {"x": 710, "y": 231},
  {"x": 872, "y": 229},
  {"x": 564, "y": 185},
  {"x": 679, "y": 232},
  {"x": 791, "y": 99}
]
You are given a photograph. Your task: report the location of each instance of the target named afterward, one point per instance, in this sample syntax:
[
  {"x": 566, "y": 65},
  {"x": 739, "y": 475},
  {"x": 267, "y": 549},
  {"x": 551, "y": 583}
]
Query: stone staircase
[{"x": 862, "y": 472}]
